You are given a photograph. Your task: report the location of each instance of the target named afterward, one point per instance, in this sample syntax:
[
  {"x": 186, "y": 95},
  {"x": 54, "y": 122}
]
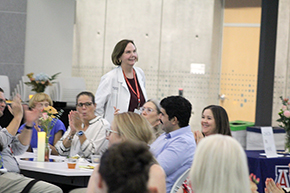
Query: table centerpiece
[
  {"x": 47, "y": 121},
  {"x": 41, "y": 81}
]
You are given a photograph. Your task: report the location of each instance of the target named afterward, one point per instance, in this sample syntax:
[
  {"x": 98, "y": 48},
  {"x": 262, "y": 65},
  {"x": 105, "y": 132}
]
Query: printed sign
[{"x": 269, "y": 143}]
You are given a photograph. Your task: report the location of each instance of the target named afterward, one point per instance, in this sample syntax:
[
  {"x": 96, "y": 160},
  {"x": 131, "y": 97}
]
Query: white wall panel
[
  {"x": 140, "y": 21},
  {"x": 282, "y": 62},
  {"x": 89, "y": 37}
]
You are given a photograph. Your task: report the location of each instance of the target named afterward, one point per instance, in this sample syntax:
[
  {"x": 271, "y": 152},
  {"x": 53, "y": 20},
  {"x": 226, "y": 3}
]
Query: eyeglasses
[
  {"x": 41, "y": 104},
  {"x": 109, "y": 131},
  {"x": 147, "y": 109},
  {"x": 87, "y": 104},
  {"x": 2, "y": 101}
]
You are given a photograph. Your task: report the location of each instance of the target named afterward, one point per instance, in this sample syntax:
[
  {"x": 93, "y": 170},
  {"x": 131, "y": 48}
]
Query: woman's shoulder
[
  {"x": 98, "y": 120},
  {"x": 59, "y": 125},
  {"x": 111, "y": 76},
  {"x": 112, "y": 72},
  {"x": 138, "y": 69},
  {"x": 157, "y": 169},
  {"x": 157, "y": 178},
  {"x": 139, "y": 72}
]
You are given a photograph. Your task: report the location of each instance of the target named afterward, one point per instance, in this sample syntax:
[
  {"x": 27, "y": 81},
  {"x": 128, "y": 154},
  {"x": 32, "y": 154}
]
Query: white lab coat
[{"x": 114, "y": 92}]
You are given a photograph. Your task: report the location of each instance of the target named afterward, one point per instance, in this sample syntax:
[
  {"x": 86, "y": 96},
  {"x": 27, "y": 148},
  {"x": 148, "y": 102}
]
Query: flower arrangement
[
  {"x": 48, "y": 119},
  {"x": 284, "y": 120},
  {"x": 41, "y": 81}
]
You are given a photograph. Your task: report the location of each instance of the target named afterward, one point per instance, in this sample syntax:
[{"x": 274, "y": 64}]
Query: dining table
[
  {"x": 56, "y": 170},
  {"x": 263, "y": 167}
]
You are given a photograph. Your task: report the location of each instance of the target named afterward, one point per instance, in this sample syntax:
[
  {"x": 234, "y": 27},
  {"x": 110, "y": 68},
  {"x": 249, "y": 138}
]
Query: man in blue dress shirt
[{"x": 174, "y": 149}]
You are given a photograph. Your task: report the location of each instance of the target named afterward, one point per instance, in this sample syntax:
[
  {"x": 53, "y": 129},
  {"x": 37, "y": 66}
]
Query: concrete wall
[
  {"x": 12, "y": 39},
  {"x": 282, "y": 64}
]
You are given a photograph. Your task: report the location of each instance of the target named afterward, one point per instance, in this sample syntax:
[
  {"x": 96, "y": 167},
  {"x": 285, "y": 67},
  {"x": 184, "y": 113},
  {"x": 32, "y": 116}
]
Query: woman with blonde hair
[
  {"x": 219, "y": 166},
  {"x": 130, "y": 126},
  {"x": 41, "y": 101},
  {"x": 134, "y": 127}
]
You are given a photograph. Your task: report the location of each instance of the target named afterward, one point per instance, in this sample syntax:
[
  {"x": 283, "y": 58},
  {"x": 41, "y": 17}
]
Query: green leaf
[{"x": 54, "y": 76}]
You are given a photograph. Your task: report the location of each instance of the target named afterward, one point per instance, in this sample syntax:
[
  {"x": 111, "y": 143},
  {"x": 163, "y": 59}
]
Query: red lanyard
[{"x": 136, "y": 84}]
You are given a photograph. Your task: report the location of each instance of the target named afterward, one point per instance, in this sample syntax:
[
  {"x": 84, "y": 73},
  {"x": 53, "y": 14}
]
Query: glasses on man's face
[
  {"x": 87, "y": 104},
  {"x": 109, "y": 131},
  {"x": 2, "y": 101},
  {"x": 148, "y": 110}
]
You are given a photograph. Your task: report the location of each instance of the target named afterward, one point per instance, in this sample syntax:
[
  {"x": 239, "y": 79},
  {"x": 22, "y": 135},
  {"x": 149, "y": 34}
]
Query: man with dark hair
[
  {"x": 16, "y": 144},
  {"x": 123, "y": 168},
  {"x": 174, "y": 149}
]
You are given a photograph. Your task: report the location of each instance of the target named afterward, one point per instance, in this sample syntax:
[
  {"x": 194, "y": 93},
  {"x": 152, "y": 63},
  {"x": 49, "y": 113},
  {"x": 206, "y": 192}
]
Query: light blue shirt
[{"x": 174, "y": 151}]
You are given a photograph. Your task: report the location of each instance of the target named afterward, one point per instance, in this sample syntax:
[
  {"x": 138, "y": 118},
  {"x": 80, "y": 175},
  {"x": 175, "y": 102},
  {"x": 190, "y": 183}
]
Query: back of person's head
[
  {"x": 179, "y": 107},
  {"x": 119, "y": 50},
  {"x": 133, "y": 126},
  {"x": 219, "y": 166},
  {"x": 125, "y": 167},
  {"x": 221, "y": 119},
  {"x": 39, "y": 97},
  {"x": 87, "y": 93}
]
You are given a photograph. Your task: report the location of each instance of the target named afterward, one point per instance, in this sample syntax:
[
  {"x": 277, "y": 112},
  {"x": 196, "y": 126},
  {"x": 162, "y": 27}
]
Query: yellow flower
[
  {"x": 30, "y": 75},
  {"x": 50, "y": 111}
]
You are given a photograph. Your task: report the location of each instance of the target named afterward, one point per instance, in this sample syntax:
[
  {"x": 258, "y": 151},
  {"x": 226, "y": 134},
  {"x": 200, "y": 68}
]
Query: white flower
[{"x": 41, "y": 77}]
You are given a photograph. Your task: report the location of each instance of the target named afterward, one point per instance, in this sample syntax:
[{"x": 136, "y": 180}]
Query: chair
[
  {"x": 5, "y": 85},
  {"x": 26, "y": 90},
  {"x": 54, "y": 91},
  {"x": 70, "y": 87},
  {"x": 179, "y": 181}
]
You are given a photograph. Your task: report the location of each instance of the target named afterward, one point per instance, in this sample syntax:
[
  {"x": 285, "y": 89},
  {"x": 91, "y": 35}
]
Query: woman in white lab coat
[{"x": 123, "y": 88}]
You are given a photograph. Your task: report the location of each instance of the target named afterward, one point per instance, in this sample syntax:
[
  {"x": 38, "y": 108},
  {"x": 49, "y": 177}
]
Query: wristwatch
[{"x": 80, "y": 133}]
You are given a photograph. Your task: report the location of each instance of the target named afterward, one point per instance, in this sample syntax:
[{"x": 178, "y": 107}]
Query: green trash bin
[
  {"x": 240, "y": 125},
  {"x": 239, "y": 130}
]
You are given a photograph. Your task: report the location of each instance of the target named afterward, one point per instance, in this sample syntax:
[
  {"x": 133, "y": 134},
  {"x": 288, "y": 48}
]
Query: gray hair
[{"x": 156, "y": 103}]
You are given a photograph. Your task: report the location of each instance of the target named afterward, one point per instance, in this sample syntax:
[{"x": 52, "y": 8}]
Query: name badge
[{"x": 138, "y": 111}]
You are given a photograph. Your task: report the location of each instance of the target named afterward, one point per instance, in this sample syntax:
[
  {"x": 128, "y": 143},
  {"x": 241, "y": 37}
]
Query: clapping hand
[
  {"x": 254, "y": 181},
  {"x": 75, "y": 121},
  {"x": 198, "y": 136},
  {"x": 116, "y": 111},
  {"x": 16, "y": 108},
  {"x": 271, "y": 187},
  {"x": 31, "y": 116}
]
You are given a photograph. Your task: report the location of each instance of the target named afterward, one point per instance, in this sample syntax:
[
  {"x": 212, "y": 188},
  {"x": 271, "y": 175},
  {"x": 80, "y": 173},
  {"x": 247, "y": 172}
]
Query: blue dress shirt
[{"x": 174, "y": 151}]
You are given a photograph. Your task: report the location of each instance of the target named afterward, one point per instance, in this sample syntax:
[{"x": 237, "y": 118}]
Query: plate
[
  {"x": 87, "y": 167},
  {"x": 35, "y": 159},
  {"x": 278, "y": 155}
]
